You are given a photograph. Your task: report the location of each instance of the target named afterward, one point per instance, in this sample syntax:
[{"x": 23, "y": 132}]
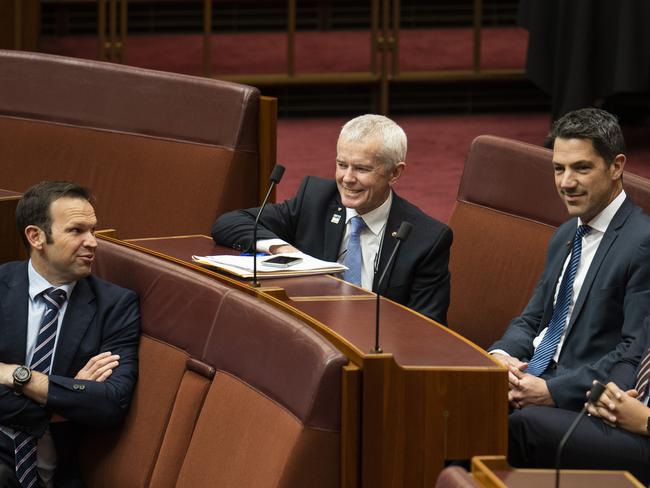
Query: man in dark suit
[
  {"x": 616, "y": 436},
  {"x": 69, "y": 341},
  {"x": 321, "y": 221},
  {"x": 595, "y": 289}
]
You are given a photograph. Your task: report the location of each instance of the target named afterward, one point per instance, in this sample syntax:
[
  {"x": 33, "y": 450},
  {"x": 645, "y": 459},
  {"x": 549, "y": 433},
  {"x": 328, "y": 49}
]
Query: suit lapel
[
  {"x": 395, "y": 217},
  {"x": 334, "y": 230},
  {"x": 14, "y": 318},
  {"x": 610, "y": 236},
  {"x": 78, "y": 317}
]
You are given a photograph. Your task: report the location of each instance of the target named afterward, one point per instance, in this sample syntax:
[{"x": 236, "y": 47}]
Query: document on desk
[{"x": 242, "y": 266}]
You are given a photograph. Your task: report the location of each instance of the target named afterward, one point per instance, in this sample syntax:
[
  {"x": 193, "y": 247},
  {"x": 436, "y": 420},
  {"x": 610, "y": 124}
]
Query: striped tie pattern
[
  {"x": 546, "y": 350},
  {"x": 25, "y": 444},
  {"x": 643, "y": 376},
  {"x": 353, "y": 256}
]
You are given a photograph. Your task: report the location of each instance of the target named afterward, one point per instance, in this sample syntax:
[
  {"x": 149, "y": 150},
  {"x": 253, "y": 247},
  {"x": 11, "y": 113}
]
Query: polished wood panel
[
  {"x": 495, "y": 472},
  {"x": 405, "y": 411},
  {"x": 11, "y": 247}
]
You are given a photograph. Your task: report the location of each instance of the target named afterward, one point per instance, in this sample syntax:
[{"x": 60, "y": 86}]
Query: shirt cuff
[
  {"x": 264, "y": 245},
  {"x": 498, "y": 351}
]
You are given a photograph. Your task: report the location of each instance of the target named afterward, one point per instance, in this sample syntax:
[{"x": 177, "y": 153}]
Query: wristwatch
[{"x": 22, "y": 375}]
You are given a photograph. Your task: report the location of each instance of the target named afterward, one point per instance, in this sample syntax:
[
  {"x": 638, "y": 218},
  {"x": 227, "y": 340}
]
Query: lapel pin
[{"x": 336, "y": 218}]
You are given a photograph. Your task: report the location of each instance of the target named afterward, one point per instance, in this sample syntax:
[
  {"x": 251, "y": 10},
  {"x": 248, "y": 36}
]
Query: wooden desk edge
[
  {"x": 276, "y": 296},
  {"x": 483, "y": 466}
]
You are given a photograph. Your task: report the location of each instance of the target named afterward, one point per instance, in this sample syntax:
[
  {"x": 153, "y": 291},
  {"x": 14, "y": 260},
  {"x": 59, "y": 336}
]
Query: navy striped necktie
[
  {"x": 546, "y": 349},
  {"x": 24, "y": 444}
]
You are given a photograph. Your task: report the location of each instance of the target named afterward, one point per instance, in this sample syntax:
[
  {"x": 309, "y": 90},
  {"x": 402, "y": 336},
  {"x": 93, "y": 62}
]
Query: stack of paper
[{"x": 242, "y": 266}]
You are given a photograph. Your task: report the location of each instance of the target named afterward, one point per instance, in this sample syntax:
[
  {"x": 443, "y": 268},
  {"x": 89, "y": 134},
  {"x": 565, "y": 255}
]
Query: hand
[
  {"x": 620, "y": 408},
  {"x": 528, "y": 390},
  {"x": 510, "y": 362},
  {"x": 7, "y": 374},
  {"x": 282, "y": 248},
  {"x": 99, "y": 368}
]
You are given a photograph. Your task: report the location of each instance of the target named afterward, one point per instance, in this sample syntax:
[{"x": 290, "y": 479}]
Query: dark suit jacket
[
  {"x": 609, "y": 311},
  {"x": 420, "y": 275},
  {"x": 99, "y": 317},
  {"x": 625, "y": 371}
]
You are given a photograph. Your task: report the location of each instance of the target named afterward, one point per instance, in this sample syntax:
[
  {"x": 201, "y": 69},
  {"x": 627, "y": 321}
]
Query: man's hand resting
[
  {"x": 99, "y": 368},
  {"x": 282, "y": 248}
]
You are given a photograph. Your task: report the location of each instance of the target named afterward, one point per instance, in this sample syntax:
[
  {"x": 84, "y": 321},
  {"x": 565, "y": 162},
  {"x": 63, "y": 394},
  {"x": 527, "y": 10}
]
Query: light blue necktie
[
  {"x": 353, "y": 256},
  {"x": 25, "y": 444},
  {"x": 546, "y": 350}
]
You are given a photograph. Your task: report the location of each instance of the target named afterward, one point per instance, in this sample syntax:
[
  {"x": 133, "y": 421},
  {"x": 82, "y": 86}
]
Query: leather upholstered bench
[
  {"x": 232, "y": 391},
  {"x": 163, "y": 153}
]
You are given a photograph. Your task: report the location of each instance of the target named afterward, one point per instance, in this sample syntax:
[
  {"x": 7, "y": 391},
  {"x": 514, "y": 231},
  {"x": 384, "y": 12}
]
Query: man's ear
[
  {"x": 617, "y": 167},
  {"x": 35, "y": 236},
  {"x": 397, "y": 172}
]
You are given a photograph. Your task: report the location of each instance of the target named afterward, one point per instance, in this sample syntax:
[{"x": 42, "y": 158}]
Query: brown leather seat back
[
  {"x": 273, "y": 404},
  {"x": 506, "y": 211},
  {"x": 163, "y": 153},
  {"x": 278, "y": 386}
]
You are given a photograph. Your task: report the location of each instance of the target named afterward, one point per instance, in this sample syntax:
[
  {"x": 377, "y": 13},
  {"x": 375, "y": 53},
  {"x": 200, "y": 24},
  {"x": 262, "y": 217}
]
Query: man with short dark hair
[
  {"x": 68, "y": 347},
  {"x": 351, "y": 220},
  {"x": 594, "y": 292}
]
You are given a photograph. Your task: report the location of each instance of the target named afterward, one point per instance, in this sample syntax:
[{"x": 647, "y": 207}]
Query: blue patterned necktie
[
  {"x": 353, "y": 256},
  {"x": 24, "y": 444},
  {"x": 546, "y": 350}
]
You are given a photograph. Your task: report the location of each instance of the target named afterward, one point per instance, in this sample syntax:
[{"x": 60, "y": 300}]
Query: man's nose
[
  {"x": 90, "y": 241},
  {"x": 349, "y": 174},
  {"x": 568, "y": 179}
]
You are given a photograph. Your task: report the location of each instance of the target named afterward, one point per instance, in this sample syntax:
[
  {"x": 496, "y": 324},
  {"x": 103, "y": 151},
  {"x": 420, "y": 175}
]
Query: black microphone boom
[
  {"x": 594, "y": 394},
  {"x": 401, "y": 235},
  {"x": 276, "y": 176}
]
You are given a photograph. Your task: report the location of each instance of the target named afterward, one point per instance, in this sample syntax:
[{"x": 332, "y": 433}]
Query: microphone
[
  {"x": 401, "y": 235},
  {"x": 276, "y": 176},
  {"x": 594, "y": 394}
]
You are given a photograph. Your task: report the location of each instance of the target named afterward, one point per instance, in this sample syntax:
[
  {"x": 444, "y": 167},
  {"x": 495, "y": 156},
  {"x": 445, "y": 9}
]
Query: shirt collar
[
  {"x": 375, "y": 219},
  {"x": 38, "y": 284},
  {"x": 601, "y": 221}
]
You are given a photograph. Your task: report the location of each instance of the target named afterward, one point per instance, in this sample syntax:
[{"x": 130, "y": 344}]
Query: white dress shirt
[
  {"x": 590, "y": 243},
  {"x": 46, "y": 453}
]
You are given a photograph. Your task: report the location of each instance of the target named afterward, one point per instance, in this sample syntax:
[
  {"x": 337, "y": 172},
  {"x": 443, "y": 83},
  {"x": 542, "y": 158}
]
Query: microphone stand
[
  {"x": 276, "y": 176},
  {"x": 594, "y": 394},
  {"x": 401, "y": 235}
]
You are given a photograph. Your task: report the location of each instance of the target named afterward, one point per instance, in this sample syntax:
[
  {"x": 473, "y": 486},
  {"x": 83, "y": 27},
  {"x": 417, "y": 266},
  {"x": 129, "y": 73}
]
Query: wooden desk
[
  {"x": 495, "y": 472},
  {"x": 11, "y": 247},
  {"x": 431, "y": 396}
]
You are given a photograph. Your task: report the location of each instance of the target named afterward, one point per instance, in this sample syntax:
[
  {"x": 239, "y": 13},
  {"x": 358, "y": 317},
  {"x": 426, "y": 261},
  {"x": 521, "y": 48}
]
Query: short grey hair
[{"x": 390, "y": 135}]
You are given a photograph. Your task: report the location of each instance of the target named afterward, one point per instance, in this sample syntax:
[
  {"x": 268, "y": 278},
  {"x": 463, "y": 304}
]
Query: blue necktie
[
  {"x": 353, "y": 256},
  {"x": 546, "y": 350},
  {"x": 25, "y": 444}
]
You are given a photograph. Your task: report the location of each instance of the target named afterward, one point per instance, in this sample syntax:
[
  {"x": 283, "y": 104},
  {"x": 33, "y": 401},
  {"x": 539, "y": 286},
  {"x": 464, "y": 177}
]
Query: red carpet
[
  {"x": 437, "y": 149},
  {"x": 338, "y": 51}
]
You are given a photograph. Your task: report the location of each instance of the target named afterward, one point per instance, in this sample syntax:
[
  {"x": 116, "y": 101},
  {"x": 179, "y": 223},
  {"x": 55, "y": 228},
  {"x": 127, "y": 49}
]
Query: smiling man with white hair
[{"x": 351, "y": 220}]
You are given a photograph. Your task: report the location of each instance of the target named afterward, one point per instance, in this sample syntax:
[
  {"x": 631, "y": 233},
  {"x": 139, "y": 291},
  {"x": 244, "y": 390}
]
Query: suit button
[{"x": 79, "y": 387}]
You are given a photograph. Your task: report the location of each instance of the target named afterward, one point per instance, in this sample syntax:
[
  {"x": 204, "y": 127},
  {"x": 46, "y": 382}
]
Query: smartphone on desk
[{"x": 281, "y": 261}]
